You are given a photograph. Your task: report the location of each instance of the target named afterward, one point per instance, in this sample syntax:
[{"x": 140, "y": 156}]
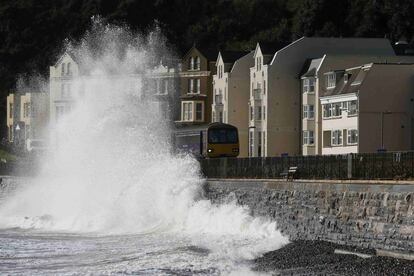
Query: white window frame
[
  {"x": 308, "y": 111},
  {"x": 311, "y": 86},
  {"x": 336, "y": 137},
  {"x": 308, "y": 137},
  {"x": 305, "y": 86},
  {"x": 326, "y": 111},
  {"x": 191, "y": 63},
  {"x": 334, "y": 114},
  {"x": 330, "y": 80},
  {"x": 194, "y": 86},
  {"x": 349, "y": 136},
  {"x": 352, "y": 111},
  {"x": 187, "y": 111},
  {"x": 197, "y": 63}
]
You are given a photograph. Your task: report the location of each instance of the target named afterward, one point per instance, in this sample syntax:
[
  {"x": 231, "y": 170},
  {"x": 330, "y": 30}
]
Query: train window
[{"x": 222, "y": 136}]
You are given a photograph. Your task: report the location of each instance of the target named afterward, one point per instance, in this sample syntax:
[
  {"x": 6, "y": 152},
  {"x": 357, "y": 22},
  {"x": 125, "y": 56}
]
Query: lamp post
[{"x": 382, "y": 128}]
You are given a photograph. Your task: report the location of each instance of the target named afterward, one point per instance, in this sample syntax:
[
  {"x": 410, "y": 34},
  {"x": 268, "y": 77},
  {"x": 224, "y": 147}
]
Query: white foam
[{"x": 113, "y": 171}]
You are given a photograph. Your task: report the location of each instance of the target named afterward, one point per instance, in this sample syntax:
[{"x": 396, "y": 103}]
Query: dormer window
[
  {"x": 63, "y": 69},
  {"x": 331, "y": 80}
]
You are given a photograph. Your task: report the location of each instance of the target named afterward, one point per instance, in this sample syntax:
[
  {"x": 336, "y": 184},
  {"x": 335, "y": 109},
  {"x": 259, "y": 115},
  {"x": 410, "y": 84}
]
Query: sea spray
[{"x": 111, "y": 169}]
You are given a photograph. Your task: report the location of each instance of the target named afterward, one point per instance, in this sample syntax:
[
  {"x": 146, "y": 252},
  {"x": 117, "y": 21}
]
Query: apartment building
[
  {"x": 258, "y": 99},
  {"x": 231, "y": 86},
  {"x": 276, "y": 98},
  {"x": 196, "y": 96},
  {"x": 368, "y": 108},
  {"x": 314, "y": 85},
  {"x": 27, "y": 118}
]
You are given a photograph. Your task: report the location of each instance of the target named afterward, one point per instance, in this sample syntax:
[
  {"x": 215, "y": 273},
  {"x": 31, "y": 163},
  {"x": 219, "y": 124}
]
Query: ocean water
[{"x": 111, "y": 196}]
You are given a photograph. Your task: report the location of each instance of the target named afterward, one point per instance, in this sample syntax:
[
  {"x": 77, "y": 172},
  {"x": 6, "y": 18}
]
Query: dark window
[{"x": 222, "y": 136}]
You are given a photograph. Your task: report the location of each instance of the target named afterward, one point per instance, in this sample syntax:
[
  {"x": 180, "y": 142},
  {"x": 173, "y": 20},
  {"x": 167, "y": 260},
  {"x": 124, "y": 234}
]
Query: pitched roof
[
  {"x": 270, "y": 48},
  {"x": 310, "y": 67},
  {"x": 232, "y": 56}
]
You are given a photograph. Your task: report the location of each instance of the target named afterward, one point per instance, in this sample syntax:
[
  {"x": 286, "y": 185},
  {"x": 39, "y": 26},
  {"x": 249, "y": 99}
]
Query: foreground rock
[{"x": 318, "y": 258}]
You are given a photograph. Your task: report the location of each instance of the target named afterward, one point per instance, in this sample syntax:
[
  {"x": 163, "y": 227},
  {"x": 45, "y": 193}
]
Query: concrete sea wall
[{"x": 371, "y": 215}]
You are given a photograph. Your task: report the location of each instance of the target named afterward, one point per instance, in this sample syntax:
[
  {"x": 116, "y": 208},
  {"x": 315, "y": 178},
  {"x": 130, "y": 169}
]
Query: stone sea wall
[{"x": 371, "y": 215}]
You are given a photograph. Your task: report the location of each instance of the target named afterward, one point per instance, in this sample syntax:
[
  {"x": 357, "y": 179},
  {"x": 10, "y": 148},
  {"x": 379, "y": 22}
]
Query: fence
[{"x": 392, "y": 165}]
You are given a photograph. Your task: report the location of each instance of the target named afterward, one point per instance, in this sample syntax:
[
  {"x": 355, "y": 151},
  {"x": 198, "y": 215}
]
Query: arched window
[{"x": 63, "y": 69}]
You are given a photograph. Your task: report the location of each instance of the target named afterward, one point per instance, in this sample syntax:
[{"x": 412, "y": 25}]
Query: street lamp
[{"x": 382, "y": 128}]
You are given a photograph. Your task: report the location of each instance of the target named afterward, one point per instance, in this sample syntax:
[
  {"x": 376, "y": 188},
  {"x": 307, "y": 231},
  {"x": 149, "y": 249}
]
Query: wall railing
[{"x": 392, "y": 165}]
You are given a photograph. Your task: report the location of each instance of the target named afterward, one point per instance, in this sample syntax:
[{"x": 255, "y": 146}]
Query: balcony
[{"x": 257, "y": 94}]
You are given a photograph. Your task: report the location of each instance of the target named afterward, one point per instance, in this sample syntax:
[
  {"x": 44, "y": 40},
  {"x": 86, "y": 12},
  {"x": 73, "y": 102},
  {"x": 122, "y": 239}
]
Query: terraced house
[
  {"x": 196, "y": 96},
  {"x": 231, "y": 88}
]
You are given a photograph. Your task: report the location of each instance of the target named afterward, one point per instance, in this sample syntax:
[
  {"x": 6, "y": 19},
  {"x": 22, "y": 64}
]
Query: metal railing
[{"x": 394, "y": 165}]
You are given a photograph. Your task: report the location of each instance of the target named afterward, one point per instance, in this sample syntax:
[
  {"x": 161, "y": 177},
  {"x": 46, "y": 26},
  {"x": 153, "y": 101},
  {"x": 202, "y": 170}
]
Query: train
[{"x": 212, "y": 141}]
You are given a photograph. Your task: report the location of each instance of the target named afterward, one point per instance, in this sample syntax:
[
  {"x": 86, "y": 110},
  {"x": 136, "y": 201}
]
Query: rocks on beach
[{"x": 318, "y": 258}]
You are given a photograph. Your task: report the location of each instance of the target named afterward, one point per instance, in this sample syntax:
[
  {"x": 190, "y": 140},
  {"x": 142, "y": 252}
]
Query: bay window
[{"x": 193, "y": 111}]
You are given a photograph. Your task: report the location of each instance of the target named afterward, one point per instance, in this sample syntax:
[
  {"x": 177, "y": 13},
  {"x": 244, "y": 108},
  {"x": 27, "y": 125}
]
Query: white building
[
  {"x": 275, "y": 100},
  {"x": 231, "y": 88},
  {"x": 314, "y": 86},
  {"x": 368, "y": 108}
]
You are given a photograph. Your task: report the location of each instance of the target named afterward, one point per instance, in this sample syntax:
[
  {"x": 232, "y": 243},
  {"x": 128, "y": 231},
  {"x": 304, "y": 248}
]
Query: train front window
[{"x": 222, "y": 136}]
